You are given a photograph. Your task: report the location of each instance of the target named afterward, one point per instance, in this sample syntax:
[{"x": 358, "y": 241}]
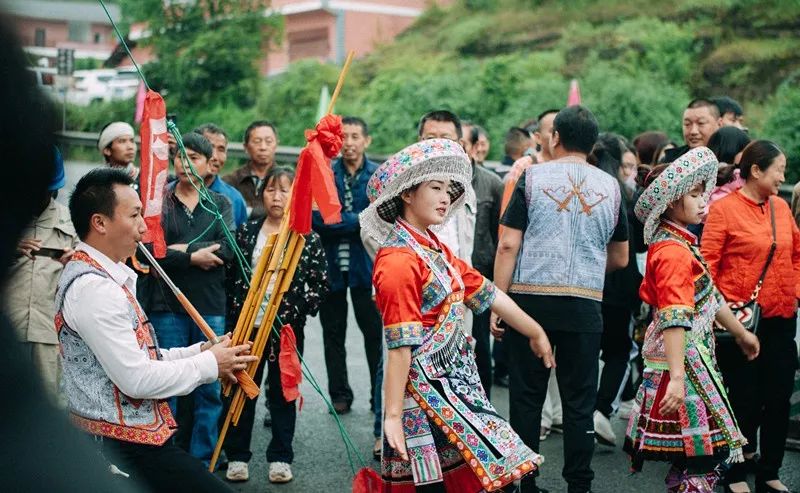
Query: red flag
[
  {"x": 289, "y": 363},
  {"x": 314, "y": 176},
  {"x": 153, "y": 175},
  {"x": 574, "y": 97}
]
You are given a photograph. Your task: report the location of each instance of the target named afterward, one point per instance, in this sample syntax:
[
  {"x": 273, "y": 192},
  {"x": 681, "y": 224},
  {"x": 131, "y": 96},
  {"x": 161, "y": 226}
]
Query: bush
[
  {"x": 633, "y": 103},
  {"x": 94, "y": 117}
]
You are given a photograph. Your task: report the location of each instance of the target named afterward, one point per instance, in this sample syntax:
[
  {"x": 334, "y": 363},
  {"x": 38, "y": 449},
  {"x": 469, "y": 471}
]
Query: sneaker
[
  {"x": 544, "y": 432},
  {"x": 625, "y": 409},
  {"x": 280, "y": 472},
  {"x": 237, "y": 471},
  {"x": 603, "y": 431}
]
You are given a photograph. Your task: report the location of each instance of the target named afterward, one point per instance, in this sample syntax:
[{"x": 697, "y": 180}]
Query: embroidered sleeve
[
  {"x": 674, "y": 287},
  {"x": 482, "y": 298},
  {"x": 398, "y": 282},
  {"x": 479, "y": 292},
  {"x": 674, "y": 316}
]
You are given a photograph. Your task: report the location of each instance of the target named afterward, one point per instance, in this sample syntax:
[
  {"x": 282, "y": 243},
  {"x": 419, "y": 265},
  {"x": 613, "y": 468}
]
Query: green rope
[
  {"x": 124, "y": 44},
  {"x": 199, "y": 184},
  {"x": 350, "y": 448}
]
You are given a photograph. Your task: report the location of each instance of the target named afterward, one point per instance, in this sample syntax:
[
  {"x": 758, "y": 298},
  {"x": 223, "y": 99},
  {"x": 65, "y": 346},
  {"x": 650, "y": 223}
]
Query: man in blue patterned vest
[{"x": 564, "y": 230}]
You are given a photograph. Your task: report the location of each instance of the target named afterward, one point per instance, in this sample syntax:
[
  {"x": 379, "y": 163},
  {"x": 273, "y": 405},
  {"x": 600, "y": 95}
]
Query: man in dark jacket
[{"x": 349, "y": 266}]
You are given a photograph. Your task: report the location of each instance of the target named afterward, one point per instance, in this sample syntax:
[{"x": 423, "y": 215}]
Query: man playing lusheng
[{"x": 115, "y": 377}]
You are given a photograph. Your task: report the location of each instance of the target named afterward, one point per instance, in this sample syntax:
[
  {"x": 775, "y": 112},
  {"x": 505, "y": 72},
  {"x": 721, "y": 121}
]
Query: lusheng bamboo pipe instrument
[
  {"x": 246, "y": 383},
  {"x": 285, "y": 274},
  {"x": 280, "y": 258}
]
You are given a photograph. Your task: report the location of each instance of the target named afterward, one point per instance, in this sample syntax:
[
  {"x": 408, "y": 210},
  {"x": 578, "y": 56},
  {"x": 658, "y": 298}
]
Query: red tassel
[
  {"x": 289, "y": 363},
  {"x": 367, "y": 481},
  {"x": 314, "y": 176},
  {"x": 153, "y": 174}
]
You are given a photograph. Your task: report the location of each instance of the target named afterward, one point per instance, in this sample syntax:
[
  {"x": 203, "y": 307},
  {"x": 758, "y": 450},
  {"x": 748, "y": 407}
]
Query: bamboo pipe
[
  {"x": 237, "y": 402},
  {"x": 242, "y": 331},
  {"x": 282, "y": 283},
  {"x": 257, "y": 274},
  {"x": 246, "y": 383},
  {"x": 273, "y": 263},
  {"x": 258, "y": 343},
  {"x": 340, "y": 82}
]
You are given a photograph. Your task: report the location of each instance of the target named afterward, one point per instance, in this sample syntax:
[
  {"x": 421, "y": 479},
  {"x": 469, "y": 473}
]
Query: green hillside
[{"x": 501, "y": 62}]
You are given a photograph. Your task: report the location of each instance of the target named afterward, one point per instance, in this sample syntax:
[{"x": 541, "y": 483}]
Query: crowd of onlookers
[{"x": 336, "y": 260}]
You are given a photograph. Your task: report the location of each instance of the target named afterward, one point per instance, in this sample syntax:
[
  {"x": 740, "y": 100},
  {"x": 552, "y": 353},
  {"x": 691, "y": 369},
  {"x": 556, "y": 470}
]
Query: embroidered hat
[
  {"x": 699, "y": 165},
  {"x": 432, "y": 159}
]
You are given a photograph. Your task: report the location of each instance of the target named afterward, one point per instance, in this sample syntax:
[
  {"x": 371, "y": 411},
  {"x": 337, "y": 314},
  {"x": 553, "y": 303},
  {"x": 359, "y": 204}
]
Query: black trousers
[
  {"x": 166, "y": 468},
  {"x": 500, "y": 358},
  {"x": 616, "y": 344},
  {"x": 284, "y": 414},
  {"x": 483, "y": 354},
  {"x": 576, "y": 370},
  {"x": 760, "y": 393},
  {"x": 333, "y": 316}
]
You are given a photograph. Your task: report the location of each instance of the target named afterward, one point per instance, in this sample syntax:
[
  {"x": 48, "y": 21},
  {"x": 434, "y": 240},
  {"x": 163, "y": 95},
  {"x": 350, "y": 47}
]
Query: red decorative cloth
[
  {"x": 367, "y": 481},
  {"x": 153, "y": 175},
  {"x": 314, "y": 176},
  {"x": 289, "y": 364}
]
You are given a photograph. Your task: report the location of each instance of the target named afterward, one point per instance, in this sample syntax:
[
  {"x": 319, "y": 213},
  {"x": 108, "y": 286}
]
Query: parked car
[
  {"x": 91, "y": 86},
  {"x": 124, "y": 85}
]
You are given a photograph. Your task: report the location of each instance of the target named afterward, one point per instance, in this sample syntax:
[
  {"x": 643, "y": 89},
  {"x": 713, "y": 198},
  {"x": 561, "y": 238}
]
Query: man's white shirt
[{"x": 98, "y": 310}]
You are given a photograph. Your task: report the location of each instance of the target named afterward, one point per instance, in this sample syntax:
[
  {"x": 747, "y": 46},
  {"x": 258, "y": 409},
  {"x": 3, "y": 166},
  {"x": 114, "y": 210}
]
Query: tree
[{"x": 206, "y": 50}]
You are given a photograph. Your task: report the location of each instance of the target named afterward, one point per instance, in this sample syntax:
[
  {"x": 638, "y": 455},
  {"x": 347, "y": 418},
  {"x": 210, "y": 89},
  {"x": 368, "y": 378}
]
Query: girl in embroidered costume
[
  {"x": 682, "y": 414},
  {"x": 441, "y": 433}
]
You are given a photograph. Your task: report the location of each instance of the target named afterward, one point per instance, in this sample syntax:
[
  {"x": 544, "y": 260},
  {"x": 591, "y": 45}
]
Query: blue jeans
[{"x": 178, "y": 330}]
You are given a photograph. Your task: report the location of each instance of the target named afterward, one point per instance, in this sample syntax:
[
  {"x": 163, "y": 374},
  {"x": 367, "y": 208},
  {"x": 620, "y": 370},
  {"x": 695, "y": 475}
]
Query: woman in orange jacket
[{"x": 736, "y": 243}]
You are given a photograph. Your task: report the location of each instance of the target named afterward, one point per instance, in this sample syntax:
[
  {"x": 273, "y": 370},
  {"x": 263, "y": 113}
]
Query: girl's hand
[
  {"x": 749, "y": 344},
  {"x": 540, "y": 345},
  {"x": 674, "y": 397},
  {"x": 393, "y": 431}
]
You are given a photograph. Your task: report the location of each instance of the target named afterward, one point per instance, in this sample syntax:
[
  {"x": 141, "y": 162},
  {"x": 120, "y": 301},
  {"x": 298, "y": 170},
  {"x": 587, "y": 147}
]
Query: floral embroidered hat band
[
  {"x": 433, "y": 159},
  {"x": 699, "y": 165}
]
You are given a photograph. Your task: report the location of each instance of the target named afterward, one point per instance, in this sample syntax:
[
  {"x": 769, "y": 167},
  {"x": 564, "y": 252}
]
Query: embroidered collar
[
  {"x": 408, "y": 235},
  {"x": 426, "y": 239},
  {"x": 119, "y": 272},
  {"x": 680, "y": 231}
]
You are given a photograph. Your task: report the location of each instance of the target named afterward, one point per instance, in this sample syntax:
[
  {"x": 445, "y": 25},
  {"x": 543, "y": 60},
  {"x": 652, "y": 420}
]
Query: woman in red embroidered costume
[
  {"x": 682, "y": 414},
  {"x": 441, "y": 433}
]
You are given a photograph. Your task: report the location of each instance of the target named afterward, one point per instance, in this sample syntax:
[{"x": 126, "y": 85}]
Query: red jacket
[{"x": 735, "y": 244}]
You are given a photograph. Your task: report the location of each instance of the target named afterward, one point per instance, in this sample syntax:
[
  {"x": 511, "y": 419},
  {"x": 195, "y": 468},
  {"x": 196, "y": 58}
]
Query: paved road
[
  {"x": 320, "y": 461},
  {"x": 321, "y": 465}
]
